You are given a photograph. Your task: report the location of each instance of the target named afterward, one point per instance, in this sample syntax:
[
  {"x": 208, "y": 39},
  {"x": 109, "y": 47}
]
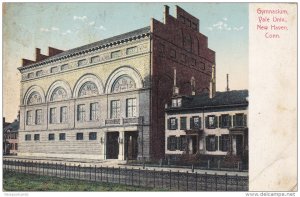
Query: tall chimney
[
  {"x": 166, "y": 13},
  {"x": 175, "y": 88},
  {"x": 227, "y": 87},
  {"x": 212, "y": 83}
]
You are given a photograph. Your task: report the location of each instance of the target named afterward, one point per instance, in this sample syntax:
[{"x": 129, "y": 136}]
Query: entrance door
[
  {"x": 131, "y": 145},
  {"x": 112, "y": 145},
  {"x": 239, "y": 145}
]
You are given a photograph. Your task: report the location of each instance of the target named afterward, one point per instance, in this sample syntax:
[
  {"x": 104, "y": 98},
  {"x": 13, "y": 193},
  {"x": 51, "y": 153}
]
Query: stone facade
[{"x": 116, "y": 88}]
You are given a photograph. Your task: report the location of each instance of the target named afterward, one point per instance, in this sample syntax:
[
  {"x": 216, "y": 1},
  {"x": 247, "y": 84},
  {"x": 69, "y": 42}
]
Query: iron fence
[{"x": 159, "y": 179}]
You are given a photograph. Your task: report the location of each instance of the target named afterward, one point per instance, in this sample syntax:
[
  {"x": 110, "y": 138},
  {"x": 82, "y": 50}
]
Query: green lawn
[{"x": 29, "y": 182}]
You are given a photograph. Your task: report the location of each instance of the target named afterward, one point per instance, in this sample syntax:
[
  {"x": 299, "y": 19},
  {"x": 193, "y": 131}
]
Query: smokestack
[
  {"x": 175, "y": 89},
  {"x": 166, "y": 13},
  {"x": 212, "y": 83},
  {"x": 227, "y": 87}
]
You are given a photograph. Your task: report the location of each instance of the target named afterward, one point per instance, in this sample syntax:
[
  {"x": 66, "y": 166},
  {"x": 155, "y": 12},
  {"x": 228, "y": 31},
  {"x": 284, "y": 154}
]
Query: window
[
  {"x": 172, "y": 143},
  {"x": 16, "y": 146},
  {"x": 82, "y": 62},
  {"x": 29, "y": 117},
  {"x": 115, "y": 109},
  {"x": 64, "y": 67},
  {"x": 27, "y": 137},
  {"x": 63, "y": 114},
  {"x": 51, "y": 136},
  {"x": 131, "y": 50},
  {"x": 211, "y": 122},
  {"x": 183, "y": 58},
  {"x": 182, "y": 123},
  {"x": 115, "y": 54},
  {"x": 131, "y": 107},
  {"x": 62, "y": 136},
  {"x": 39, "y": 73},
  {"x": 81, "y": 112},
  {"x": 224, "y": 121},
  {"x": 54, "y": 69},
  {"x": 38, "y": 116},
  {"x": 30, "y": 75},
  {"x": 161, "y": 50},
  {"x": 172, "y": 123},
  {"x": 195, "y": 122},
  {"x": 240, "y": 120},
  {"x": 92, "y": 136},
  {"x": 211, "y": 143},
  {"x": 224, "y": 143},
  {"x": 177, "y": 102},
  {"x": 194, "y": 26},
  {"x": 193, "y": 62},
  {"x": 94, "y": 111},
  {"x": 36, "y": 137},
  {"x": 95, "y": 59},
  {"x": 173, "y": 53},
  {"x": 79, "y": 136},
  {"x": 52, "y": 115}
]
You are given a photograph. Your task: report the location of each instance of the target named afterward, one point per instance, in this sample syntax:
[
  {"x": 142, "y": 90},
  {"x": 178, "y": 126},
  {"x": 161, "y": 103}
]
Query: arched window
[
  {"x": 58, "y": 94},
  {"x": 88, "y": 89},
  {"x": 123, "y": 83},
  {"x": 34, "y": 98}
]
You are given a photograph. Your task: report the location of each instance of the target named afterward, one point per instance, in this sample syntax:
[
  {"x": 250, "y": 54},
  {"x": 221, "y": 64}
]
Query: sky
[{"x": 27, "y": 26}]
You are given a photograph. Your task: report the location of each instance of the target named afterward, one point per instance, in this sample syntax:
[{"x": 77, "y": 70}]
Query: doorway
[
  {"x": 131, "y": 145},
  {"x": 112, "y": 145}
]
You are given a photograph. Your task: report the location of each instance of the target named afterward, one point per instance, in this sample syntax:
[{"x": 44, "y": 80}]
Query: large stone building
[{"x": 105, "y": 100}]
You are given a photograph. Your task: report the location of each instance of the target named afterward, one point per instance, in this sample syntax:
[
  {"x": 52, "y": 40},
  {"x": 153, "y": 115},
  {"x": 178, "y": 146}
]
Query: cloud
[
  {"x": 92, "y": 23},
  {"x": 101, "y": 28},
  {"x": 54, "y": 28},
  {"x": 44, "y": 29},
  {"x": 66, "y": 32},
  {"x": 222, "y": 25},
  {"x": 81, "y": 18}
]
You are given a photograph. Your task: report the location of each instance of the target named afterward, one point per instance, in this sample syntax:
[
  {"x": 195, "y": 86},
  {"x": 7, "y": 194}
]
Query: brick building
[{"x": 105, "y": 100}]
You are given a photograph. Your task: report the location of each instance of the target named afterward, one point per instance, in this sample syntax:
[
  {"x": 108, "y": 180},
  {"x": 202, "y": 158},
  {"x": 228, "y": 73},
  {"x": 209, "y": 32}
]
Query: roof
[
  {"x": 13, "y": 127},
  {"x": 93, "y": 46},
  {"x": 233, "y": 98}
]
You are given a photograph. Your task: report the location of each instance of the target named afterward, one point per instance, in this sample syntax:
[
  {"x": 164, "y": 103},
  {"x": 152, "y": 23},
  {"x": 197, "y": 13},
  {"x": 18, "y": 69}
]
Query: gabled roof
[
  {"x": 228, "y": 98},
  {"x": 93, "y": 46}
]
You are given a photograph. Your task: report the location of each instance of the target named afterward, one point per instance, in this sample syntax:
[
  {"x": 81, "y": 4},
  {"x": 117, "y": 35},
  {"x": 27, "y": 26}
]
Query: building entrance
[
  {"x": 131, "y": 145},
  {"x": 112, "y": 145}
]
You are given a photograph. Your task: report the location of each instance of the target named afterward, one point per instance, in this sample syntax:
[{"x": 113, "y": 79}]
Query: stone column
[{"x": 121, "y": 155}]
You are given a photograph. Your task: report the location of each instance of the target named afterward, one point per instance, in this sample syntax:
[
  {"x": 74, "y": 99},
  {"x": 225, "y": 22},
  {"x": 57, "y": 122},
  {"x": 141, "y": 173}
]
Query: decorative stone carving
[
  {"x": 59, "y": 94},
  {"x": 88, "y": 89},
  {"x": 34, "y": 98},
  {"x": 122, "y": 84}
]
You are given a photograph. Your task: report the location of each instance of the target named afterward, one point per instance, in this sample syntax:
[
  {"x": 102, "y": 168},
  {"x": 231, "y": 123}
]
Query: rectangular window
[
  {"x": 161, "y": 50},
  {"x": 92, "y": 136},
  {"x": 115, "y": 54},
  {"x": 177, "y": 102},
  {"x": 131, "y": 107},
  {"x": 54, "y": 69},
  {"x": 51, "y": 136},
  {"x": 36, "y": 137},
  {"x": 16, "y": 146},
  {"x": 240, "y": 120},
  {"x": 183, "y": 58},
  {"x": 211, "y": 143},
  {"x": 194, "y": 26},
  {"x": 82, "y": 62},
  {"x": 224, "y": 143},
  {"x": 94, "y": 111},
  {"x": 195, "y": 122},
  {"x": 115, "y": 109},
  {"x": 79, "y": 136},
  {"x": 62, "y": 136},
  {"x": 38, "y": 116},
  {"x": 63, "y": 114},
  {"x": 131, "y": 50},
  {"x": 52, "y": 115},
  {"x": 225, "y": 121},
  {"x": 193, "y": 62},
  {"x": 211, "y": 122},
  {"x": 173, "y": 53},
  {"x": 95, "y": 59},
  {"x": 27, "y": 137},
  {"x": 172, "y": 143},
  {"x": 172, "y": 123},
  {"x": 182, "y": 123},
  {"x": 202, "y": 65},
  {"x": 64, "y": 67},
  {"x": 29, "y": 117},
  {"x": 81, "y": 112}
]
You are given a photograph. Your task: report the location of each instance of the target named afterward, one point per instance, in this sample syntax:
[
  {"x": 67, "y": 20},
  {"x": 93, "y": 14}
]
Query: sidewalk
[{"x": 115, "y": 164}]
